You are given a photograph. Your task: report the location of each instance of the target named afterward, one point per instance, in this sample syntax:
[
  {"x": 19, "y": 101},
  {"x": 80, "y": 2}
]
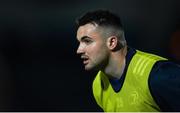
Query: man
[{"x": 128, "y": 79}]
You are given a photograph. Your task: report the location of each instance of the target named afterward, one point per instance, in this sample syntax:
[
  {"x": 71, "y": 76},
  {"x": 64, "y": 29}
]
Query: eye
[{"x": 87, "y": 41}]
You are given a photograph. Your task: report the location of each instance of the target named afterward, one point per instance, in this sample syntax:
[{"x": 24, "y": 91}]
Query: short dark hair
[
  {"x": 101, "y": 18},
  {"x": 104, "y": 19}
]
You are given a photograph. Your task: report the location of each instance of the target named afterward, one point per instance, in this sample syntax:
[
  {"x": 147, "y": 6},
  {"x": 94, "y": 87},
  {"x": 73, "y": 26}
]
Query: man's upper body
[
  {"x": 103, "y": 47},
  {"x": 163, "y": 91}
]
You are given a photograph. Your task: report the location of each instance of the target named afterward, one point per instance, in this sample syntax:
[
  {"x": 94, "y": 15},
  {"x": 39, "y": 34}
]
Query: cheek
[
  {"x": 92, "y": 51},
  {"x": 97, "y": 50}
]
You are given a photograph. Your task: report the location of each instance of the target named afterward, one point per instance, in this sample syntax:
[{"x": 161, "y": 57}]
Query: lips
[
  {"x": 85, "y": 62},
  {"x": 85, "y": 59}
]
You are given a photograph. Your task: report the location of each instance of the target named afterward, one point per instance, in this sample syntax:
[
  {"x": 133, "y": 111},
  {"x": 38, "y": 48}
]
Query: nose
[{"x": 80, "y": 49}]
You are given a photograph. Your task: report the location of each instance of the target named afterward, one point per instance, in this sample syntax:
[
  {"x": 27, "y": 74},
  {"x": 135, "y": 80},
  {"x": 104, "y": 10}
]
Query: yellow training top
[{"x": 134, "y": 94}]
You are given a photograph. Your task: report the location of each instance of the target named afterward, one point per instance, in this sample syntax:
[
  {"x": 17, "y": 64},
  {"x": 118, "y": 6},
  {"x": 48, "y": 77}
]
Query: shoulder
[
  {"x": 164, "y": 70},
  {"x": 164, "y": 84}
]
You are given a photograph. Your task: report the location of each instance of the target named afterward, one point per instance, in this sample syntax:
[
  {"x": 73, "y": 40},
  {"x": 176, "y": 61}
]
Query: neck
[{"x": 116, "y": 65}]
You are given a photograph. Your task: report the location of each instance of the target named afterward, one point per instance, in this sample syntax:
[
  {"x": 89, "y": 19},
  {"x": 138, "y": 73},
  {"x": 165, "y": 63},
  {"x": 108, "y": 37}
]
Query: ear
[{"x": 112, "y": 42}]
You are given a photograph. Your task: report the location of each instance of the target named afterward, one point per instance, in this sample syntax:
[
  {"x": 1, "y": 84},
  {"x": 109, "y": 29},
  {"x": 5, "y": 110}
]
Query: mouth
[{"x": 85, "y": 60}]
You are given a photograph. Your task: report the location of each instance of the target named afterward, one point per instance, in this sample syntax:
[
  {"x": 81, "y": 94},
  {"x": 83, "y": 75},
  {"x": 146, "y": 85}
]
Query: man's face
[{"x": 92, "y": 47}]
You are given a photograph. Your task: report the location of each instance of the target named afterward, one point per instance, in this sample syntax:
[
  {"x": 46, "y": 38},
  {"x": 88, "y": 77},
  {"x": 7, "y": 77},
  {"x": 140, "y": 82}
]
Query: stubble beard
[{"x": 96, "y": 66}]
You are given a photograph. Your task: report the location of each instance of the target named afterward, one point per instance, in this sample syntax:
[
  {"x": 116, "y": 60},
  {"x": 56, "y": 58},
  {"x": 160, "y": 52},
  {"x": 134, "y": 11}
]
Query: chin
[{"x": 88, "y": 68}]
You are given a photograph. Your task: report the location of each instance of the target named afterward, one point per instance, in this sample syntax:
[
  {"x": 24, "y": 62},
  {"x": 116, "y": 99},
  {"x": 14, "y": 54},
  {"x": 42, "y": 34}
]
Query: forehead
[{"x": 89, "y": 30}]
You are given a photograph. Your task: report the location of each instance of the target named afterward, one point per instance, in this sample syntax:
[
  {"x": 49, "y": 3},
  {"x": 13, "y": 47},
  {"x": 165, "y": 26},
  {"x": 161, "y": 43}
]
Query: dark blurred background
[{"x": 39, "y": 68}]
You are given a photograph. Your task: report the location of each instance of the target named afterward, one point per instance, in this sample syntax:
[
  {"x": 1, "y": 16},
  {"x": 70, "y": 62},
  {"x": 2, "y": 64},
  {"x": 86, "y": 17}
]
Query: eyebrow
[{"x": 85, "y": 37}]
